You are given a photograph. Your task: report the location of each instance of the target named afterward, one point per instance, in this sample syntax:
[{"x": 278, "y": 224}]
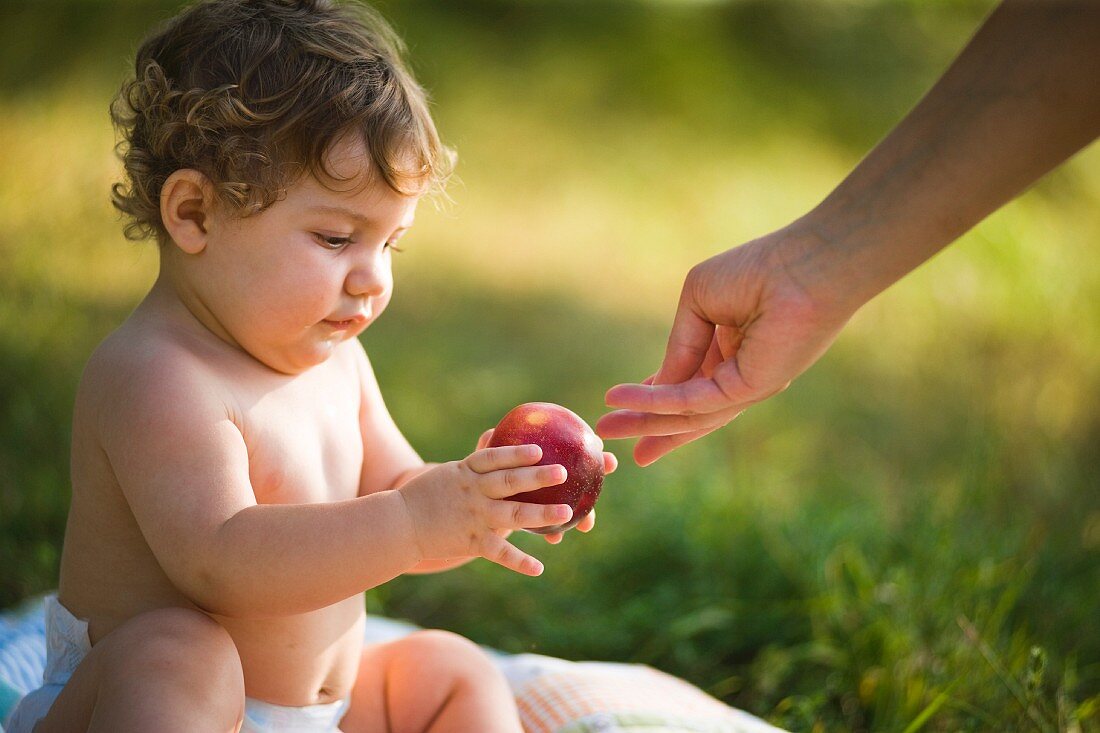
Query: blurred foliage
[{"x": 906, "y": 540}]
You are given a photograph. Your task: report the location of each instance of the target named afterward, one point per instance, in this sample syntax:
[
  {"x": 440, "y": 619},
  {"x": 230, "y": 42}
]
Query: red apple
[{"x": 566, "y": 440}]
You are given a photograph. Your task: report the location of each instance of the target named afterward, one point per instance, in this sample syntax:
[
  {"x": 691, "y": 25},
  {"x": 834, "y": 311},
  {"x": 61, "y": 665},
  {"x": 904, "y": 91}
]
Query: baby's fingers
[
  {"x": 521, "y": 515},
  {"x": 486, "y": 460},
  {"x": 502, "y": 484},
  {"x": 497, "y": 549},
  {"x": 585, "y": 525}
]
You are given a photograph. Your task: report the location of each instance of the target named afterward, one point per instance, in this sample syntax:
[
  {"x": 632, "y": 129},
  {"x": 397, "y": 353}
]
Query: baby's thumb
[{"x": 483, "y": 441}]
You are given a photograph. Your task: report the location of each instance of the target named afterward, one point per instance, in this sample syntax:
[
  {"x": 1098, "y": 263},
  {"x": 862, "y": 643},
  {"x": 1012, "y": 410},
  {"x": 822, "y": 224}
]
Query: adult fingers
[
  {"x": 486, "y": 460},
  {"x": 504, "y": 553},
  {"x": 650, "y": 448},
  {"x": 688, "y": 342},
  {"x": 712, "y": 359},
  {"x": 700, "y": 395},
  {"x": 610, "y": 463},
  {"x": 630, "y": 424}
]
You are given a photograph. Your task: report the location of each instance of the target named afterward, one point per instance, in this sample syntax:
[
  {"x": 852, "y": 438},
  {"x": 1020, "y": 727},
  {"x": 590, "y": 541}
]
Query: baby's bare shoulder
[{"x": 138, "y": 368}]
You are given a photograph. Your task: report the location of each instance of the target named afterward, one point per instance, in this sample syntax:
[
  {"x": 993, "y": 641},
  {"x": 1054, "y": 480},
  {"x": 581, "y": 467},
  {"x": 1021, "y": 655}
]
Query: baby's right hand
[{"x": 455, "y": 507}]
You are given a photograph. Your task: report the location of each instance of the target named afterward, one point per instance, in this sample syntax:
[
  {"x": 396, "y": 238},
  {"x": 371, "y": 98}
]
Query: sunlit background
[{"x": 908, "y": 538}]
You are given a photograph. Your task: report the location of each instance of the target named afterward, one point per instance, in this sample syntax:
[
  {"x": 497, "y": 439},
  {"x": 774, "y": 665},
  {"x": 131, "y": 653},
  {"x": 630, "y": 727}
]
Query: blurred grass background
[{"x": 906, "y": 539}]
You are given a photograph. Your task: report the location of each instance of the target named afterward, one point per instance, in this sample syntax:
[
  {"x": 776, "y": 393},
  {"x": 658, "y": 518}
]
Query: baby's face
[{"x": 313, "y": 270}]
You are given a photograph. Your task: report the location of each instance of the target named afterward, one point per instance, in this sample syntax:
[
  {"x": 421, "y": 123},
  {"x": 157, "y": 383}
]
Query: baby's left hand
[{"x": 610, "y": 463}]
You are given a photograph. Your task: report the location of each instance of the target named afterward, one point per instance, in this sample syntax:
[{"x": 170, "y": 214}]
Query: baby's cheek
[
  {"x": 310, "y": 301},
  {"x": 379, "y": 304}
]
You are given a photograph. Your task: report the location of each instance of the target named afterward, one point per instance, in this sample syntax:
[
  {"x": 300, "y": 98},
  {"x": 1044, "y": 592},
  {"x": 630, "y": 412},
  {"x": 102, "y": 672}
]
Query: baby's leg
[
  {"x": 166, "y": 670},
  {"x": 430, "y": 682}
]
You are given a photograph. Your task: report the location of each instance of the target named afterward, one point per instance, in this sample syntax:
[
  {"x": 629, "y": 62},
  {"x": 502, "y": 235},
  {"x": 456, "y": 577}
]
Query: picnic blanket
[{"x": 553, "y": 695}]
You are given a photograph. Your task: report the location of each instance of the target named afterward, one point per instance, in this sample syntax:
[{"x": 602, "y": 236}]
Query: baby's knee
[
  {"x": 450, "y": 654},
  {"x": 178, "y": 643}
]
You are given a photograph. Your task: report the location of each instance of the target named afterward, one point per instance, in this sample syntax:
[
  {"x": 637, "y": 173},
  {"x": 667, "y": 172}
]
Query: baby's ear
[{"x": 186, "y": 204}]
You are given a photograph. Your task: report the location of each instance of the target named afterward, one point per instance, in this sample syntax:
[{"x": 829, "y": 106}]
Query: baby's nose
[{"x": 370, "y": 280}]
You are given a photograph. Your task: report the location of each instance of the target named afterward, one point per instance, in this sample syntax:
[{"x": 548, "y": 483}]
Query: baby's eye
[
  {"x": 332, "y": 242},
  {"x": 394, "y": 247}
]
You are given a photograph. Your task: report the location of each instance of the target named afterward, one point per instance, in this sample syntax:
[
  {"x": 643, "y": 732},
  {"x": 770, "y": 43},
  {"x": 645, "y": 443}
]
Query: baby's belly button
[
  {"x": 312, "y": 665},
  {"x": 331, "y": 694},
  {"x": 297, "y": 693},
  {"x": 300, "y": 679}
]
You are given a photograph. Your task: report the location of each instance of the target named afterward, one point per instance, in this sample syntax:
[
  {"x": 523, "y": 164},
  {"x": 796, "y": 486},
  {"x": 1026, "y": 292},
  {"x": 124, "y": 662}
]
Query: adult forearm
[
  {"x": 1021, "y": 98},
  {"x": 276, "y": 559}
]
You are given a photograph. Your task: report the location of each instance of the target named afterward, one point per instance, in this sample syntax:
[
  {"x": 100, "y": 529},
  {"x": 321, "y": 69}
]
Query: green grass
[{"x": 908, "y": 539}]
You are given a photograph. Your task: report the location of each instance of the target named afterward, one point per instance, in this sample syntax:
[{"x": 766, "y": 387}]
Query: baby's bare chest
[{"x": 304, "y": 441}]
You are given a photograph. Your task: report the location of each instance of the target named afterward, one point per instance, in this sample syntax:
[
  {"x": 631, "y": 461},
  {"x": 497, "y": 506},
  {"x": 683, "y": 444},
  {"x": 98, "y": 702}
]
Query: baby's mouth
[{"x": 346, "y": 324}]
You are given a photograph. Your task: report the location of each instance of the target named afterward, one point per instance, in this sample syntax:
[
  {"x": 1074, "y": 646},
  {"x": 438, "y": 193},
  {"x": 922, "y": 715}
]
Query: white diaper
[
  {"x": 67, "y": 644},
  {"x": 263, "y": 717}
]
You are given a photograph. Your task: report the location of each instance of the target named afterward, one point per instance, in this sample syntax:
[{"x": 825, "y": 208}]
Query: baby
[{"x": 237, "y": 479}]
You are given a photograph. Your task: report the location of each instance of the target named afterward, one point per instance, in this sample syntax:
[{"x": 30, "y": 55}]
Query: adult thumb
[{"x": 688, "y": 344}]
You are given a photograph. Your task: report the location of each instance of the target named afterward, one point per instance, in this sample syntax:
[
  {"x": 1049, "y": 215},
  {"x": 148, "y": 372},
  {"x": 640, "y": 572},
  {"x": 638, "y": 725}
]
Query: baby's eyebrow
[{"x": 353, "y": 215}]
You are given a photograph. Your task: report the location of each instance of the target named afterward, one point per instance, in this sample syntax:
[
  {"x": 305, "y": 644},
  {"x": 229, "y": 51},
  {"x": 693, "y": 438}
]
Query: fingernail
[{"x": 563, "y": 512}]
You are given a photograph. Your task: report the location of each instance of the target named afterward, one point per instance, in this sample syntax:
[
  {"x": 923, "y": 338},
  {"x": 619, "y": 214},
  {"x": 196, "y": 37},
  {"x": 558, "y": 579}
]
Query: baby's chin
[
  {"x": 312, "y": 346},
  {"x": 296, "y": 361}
]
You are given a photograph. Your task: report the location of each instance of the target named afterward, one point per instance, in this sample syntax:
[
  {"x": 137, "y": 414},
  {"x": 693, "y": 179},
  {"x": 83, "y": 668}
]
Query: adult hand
[
  {"x": 746, "y": 325},
  {"x": 1016, "y": 102}
]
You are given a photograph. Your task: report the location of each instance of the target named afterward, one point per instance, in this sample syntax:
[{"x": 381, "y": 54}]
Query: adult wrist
[
  {"x": 820, "y": 265},
  {"x": 856, "y": 244}
]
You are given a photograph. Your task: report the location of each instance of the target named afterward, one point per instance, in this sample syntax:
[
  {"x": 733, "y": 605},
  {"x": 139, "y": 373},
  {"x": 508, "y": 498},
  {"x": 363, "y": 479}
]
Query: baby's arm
[
  {"x": 182, "y": 465},
  {"x": 389, "y": 461}
]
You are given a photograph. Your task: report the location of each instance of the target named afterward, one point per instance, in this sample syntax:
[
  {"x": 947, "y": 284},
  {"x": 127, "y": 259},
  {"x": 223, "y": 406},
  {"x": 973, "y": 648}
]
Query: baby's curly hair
[{"x": 253, "y": 93}]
